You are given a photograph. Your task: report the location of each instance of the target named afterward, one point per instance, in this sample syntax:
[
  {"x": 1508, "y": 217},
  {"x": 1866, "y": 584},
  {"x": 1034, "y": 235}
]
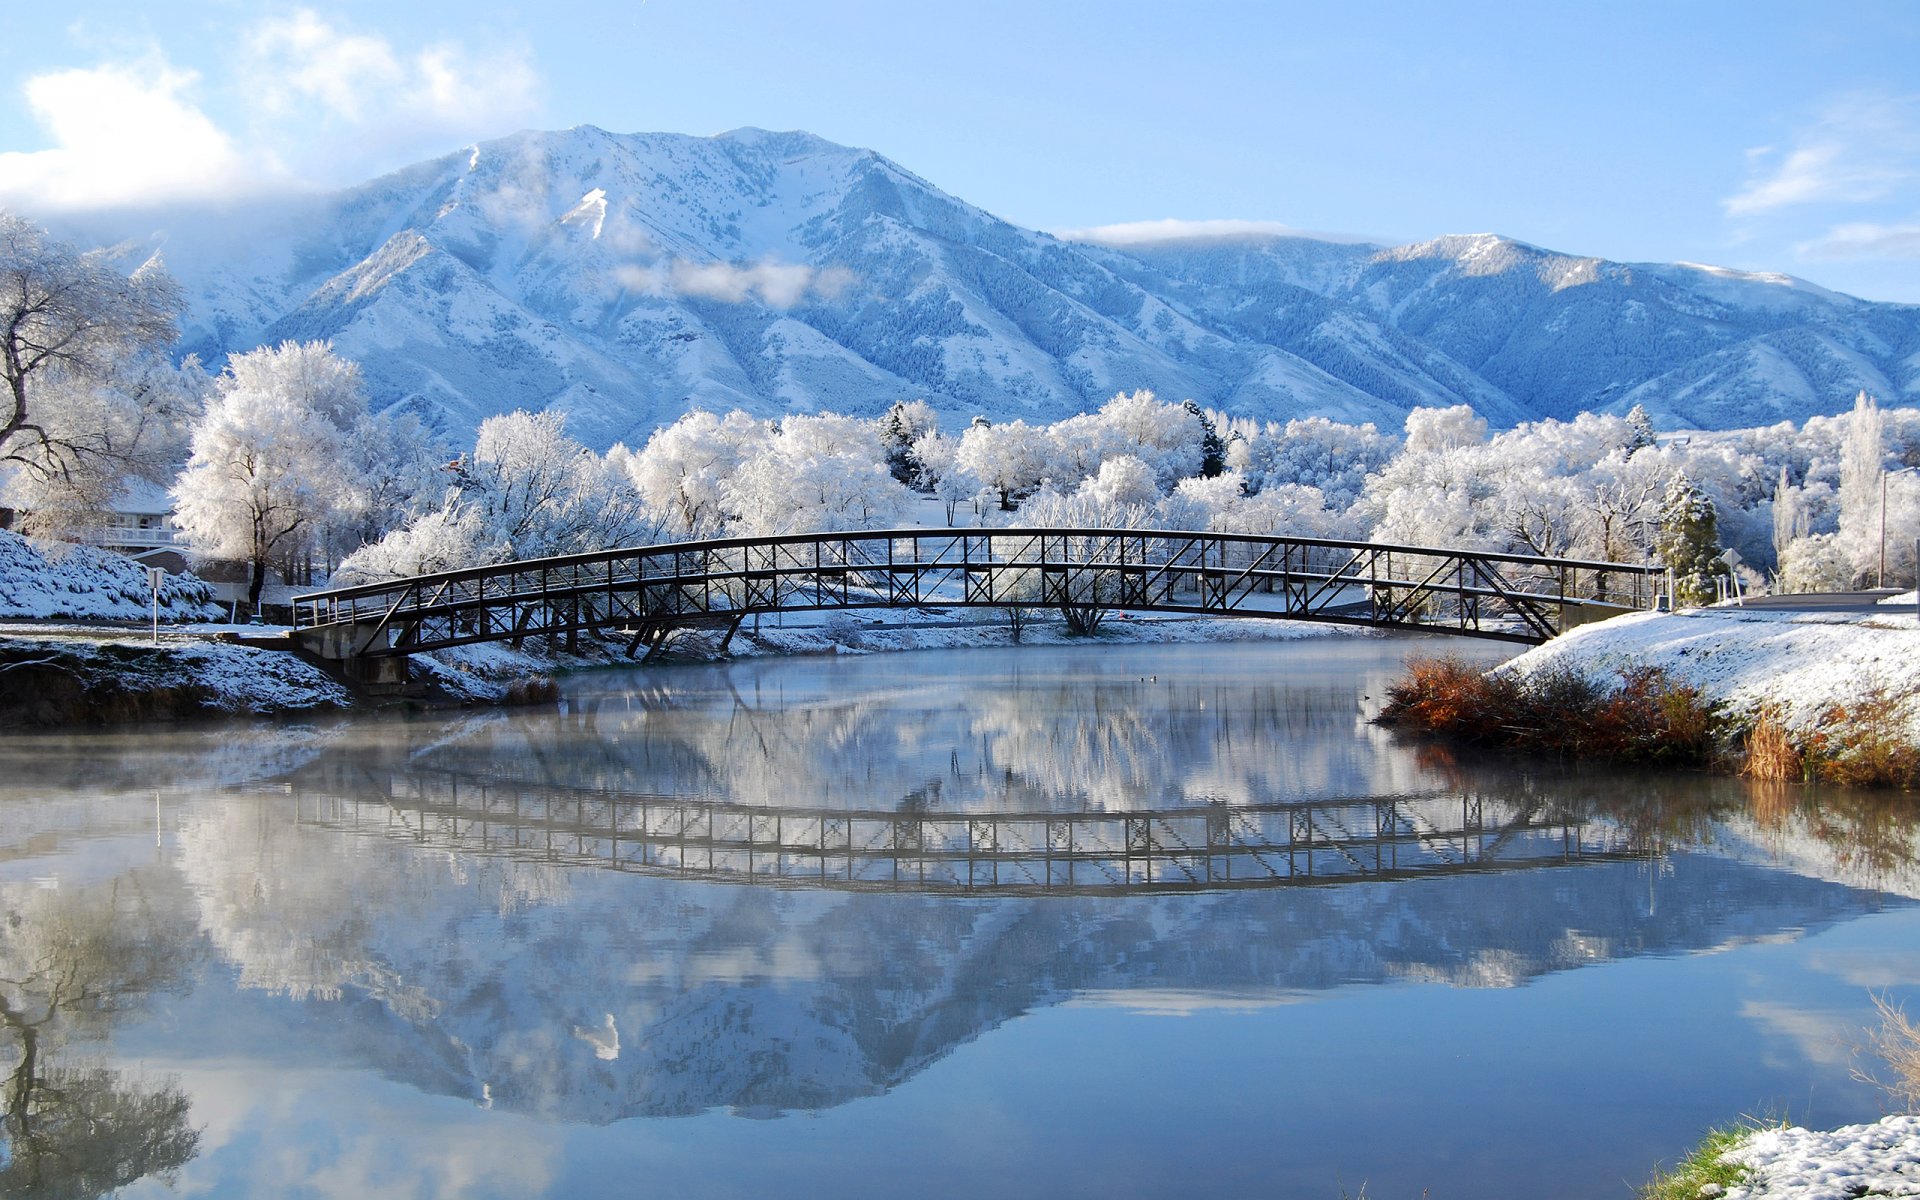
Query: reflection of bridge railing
[
  {"x": 1189, "y": 848},
  {"x": 652, "y": 590}
]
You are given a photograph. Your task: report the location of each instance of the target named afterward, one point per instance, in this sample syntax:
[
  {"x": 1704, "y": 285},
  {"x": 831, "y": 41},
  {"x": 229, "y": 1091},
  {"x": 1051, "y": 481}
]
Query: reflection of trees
[
  {"x": 1052, "y": 732},
  {"x": 70, "y": 964}
]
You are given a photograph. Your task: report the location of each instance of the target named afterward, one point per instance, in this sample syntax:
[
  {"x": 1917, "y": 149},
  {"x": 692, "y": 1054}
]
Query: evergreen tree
[
  {"x": 1213, "y": 449},
  {"x": 1689, "y": 542},
  {"x": 1642, "y": 424},
  {"x": 900, "y": 427}
]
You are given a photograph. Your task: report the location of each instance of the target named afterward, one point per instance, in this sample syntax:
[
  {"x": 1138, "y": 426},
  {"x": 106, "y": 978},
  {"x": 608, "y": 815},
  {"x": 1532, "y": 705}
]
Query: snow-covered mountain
[{"x": 627, "y": 278}]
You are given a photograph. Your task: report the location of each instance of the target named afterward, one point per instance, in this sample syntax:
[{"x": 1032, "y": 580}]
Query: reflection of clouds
[
  {"x": 1875, "y": 972},
  {"x": 259, "y": 1140},
  {"x": 1825, "y": 1036}
]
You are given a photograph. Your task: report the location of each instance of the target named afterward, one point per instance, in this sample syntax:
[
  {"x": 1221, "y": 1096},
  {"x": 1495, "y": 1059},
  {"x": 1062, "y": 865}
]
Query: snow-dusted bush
[{"x": 58, "y": 579}]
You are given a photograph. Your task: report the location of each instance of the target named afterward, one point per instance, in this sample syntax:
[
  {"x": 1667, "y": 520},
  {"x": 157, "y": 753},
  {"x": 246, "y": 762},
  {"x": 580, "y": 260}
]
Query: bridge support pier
[{"x": 347, "y": 646}]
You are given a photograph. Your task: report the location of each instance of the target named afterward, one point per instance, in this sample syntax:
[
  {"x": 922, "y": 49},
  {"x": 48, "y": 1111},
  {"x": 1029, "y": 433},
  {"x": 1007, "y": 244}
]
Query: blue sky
[{"x": 1765, "y": 136}]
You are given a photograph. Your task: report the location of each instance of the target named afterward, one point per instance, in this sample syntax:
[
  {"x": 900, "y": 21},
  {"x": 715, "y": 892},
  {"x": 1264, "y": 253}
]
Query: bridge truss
[
  {"x": 1197, "y": 847},
  {"x": 649, "y": 592}
]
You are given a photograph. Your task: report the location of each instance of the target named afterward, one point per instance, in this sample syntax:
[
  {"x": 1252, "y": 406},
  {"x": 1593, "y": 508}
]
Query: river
[{"x": 1049, "y": 921}]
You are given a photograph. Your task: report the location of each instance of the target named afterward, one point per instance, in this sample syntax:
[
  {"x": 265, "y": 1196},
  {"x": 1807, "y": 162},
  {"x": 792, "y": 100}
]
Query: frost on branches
[
  {"x": 89, "y": 396},
  {"x": 286, "y": 461}
]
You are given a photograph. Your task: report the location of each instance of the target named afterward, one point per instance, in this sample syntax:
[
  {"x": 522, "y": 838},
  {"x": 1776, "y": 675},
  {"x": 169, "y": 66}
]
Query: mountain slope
[{"x": 627, "y": 278}]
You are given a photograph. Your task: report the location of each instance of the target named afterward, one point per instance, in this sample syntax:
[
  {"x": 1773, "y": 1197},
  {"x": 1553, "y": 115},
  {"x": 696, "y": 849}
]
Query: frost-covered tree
[
  {"x": 77, "y": 340},
  {"x": 1689, "y": 542},
  {"x": 901, "y": 427},
  {"x": 1122, "y": 483},
  {"x": 142, "y": 413},
  {"x": 1010, "y": 459},
  {"x": 1435, "y": 429},
  {"x": 540, "y": 493},
  {"x": 266, "y": 474},
  {"x": 683, "y": 470},
  {"x": 941, "y": 472},
  {"x": 821, "y": 473},
  {"x": 1863, "y": 459},
  {"x": 527, "y": 491},
  {"x": 1642, "y": 426}
]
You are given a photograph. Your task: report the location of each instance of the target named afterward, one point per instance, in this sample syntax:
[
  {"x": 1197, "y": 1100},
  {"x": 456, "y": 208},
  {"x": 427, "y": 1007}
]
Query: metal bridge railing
[{"x": 655, "y": 588}]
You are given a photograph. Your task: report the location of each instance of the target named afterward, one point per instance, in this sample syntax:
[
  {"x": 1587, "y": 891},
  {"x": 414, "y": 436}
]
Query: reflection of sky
[
  {"x": 366, "y": 998},
  {"x": 1586, "y": 1078}
]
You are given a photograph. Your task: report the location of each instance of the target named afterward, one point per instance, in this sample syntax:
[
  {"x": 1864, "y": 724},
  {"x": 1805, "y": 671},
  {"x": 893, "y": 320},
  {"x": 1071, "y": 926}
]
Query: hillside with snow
[{"x": 628, "y": 278}]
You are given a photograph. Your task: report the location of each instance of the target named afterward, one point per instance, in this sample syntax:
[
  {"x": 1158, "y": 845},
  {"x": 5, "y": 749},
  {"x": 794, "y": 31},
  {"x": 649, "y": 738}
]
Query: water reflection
[
  {"x": 563, "y": 914},
  {"x": 71, "y": 965}
]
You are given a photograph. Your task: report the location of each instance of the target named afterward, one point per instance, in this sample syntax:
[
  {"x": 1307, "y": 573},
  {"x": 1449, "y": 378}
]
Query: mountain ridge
[{"x": 630, "y": 277}]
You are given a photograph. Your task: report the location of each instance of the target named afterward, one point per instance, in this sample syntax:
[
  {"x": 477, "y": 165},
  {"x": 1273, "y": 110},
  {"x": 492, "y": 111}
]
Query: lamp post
[{"x": 1884, "y": 476}]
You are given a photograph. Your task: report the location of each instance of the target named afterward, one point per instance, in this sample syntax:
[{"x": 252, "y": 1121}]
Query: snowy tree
[
  {"x": 941, "y": 472},
  {"x": 1122, "y": 483},
  {"x": 1642, "y": 426},
  {"x": 1435, "y": 429},
  {"x": 527, "y": 491},
  {"x": 266, "y": 472},
  {"x": 817, "y": 473},
  {"x": 539, "y": 493},
  {"x": 1010, "y": 459},
  {"x": 1863, "y": 458},
  {"x": 1689, "y": 542},
  {"x": 393, "y": 470},
  {"x": 901, "y": 427},
  {"x": 75, "y": 337},
  {"x": 683, "y": 470},
  {"x": 142, "y": 415},
  {"x": 1213, "y": 449}
]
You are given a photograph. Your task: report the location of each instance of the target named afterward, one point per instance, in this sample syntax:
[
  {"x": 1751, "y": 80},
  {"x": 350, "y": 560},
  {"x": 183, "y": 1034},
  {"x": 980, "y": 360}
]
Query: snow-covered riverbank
[
  {"x": 1879, "y": 1159},
  {"x": 1799, "y": 664}
]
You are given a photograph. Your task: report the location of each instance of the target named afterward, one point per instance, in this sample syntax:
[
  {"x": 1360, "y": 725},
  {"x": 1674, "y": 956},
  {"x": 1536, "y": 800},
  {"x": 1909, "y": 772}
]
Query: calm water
[{"x": 1106, "y": 921}]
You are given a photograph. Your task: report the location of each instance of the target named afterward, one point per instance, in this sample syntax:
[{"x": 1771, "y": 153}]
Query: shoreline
[{"x": 72, "y": 675}]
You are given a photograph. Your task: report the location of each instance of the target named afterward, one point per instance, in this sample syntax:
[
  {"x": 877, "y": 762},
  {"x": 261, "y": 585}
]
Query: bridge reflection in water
[{"x": 1188, "y": 848}]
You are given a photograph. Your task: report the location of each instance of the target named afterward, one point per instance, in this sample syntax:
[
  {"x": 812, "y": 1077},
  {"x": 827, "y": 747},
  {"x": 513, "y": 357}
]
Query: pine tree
[
  {"x": 1689, "y": 541},
  {"x": 1642, "y": 436},
  {"x": 1213, "y": 449}
]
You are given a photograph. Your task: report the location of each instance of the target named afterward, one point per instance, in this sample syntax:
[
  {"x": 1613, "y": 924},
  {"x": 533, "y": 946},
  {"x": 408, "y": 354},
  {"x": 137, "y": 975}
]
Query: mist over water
[{"x": 1051, "y": 920}]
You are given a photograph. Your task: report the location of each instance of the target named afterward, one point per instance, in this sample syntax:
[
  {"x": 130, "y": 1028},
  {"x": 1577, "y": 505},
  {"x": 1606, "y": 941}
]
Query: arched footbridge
[{"x": 648, "y": 593}]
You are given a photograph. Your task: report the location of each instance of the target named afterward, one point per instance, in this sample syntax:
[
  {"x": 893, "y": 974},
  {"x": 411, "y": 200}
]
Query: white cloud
[
  {"x": 1862, "y": 148},
  {"x": 1171, "y": 229},
  {"x": 126, "y": 134},
  {"x": 361, "y": 79},
  {"x": 314, "y": 104},
  {"x": 1863, "y": 240},
  {"x": 777, "y": 284}
]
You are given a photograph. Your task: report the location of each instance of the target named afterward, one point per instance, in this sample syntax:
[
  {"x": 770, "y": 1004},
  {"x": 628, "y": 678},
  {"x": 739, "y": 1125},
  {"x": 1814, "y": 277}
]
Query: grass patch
[
  {"x": 1701, "y": 1174},
  {"x": 1864, "y": 744}
]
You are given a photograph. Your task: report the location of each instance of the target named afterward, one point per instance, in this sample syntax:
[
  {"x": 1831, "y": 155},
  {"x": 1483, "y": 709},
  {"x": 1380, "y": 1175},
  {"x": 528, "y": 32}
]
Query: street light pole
[{"x": 1881, "y": 579}]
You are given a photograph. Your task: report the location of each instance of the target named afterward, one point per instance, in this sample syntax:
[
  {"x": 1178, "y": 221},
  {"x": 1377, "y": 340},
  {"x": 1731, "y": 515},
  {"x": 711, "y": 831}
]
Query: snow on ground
[
  {"x": 1903, "y": 600},
  {"x": 239, "y": 680},
  {"x": 40, "y": 580},
  {"x": 1744, "y": 659},
  {"x": 1881, "y": 1159},
  {"x": 851, "y": 633}
]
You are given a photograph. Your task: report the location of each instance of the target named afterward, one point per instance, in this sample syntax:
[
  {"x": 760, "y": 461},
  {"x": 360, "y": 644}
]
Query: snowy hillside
[{"x": 627, "y": 278}]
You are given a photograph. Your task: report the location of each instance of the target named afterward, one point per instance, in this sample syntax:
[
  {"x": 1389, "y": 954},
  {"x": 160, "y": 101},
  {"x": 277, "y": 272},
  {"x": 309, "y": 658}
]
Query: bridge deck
[{"x": 650, "y": 591}]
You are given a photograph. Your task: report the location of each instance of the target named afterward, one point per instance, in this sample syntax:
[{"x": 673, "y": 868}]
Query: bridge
[
  {"x": 650, "y": 593},
  {"x": 1215, "y": 846}
]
